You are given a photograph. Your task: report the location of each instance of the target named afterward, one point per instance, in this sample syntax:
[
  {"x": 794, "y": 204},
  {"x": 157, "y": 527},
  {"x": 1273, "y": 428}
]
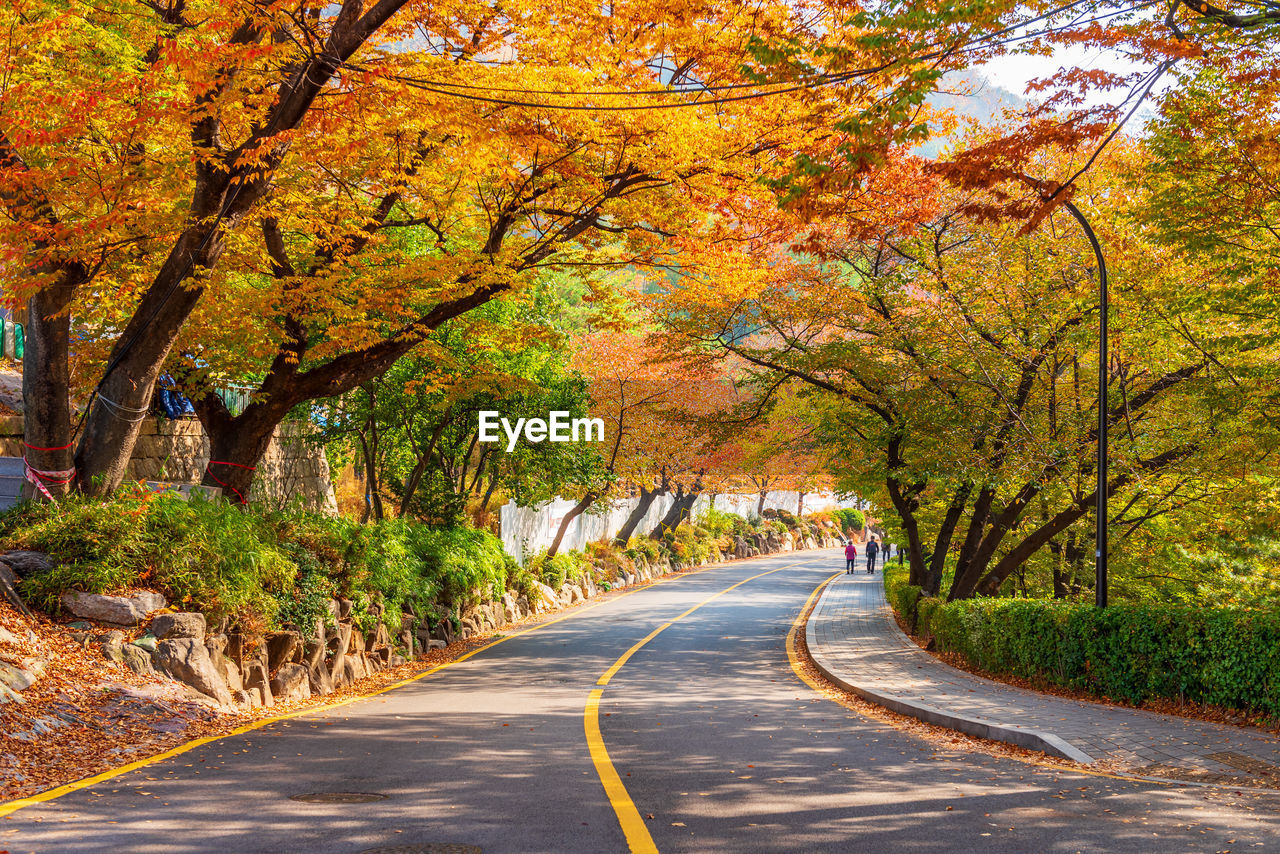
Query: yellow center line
[
  {"x": 13, "y": 806},
  {"x": 639, "y": 841}
]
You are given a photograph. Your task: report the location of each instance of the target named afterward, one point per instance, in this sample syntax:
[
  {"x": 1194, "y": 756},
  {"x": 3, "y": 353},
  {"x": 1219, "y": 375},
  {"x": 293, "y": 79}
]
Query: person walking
[
  {"x": 850, "y": 556},
  {"x": 873, "y": 549}
]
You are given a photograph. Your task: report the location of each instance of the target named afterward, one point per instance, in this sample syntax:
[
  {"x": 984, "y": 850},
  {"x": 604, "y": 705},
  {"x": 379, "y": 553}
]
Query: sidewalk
[{"x": 855, "y": 642}]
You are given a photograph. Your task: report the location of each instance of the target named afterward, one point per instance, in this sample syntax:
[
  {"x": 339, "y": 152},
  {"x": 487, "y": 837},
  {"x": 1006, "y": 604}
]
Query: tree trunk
[
  {"x": 942, "y": 545},
  {"x": 678, "y": 513},
  {"x": 238, "y": 444},
  {"x": 906, "y": 504},
  {"x": 628, "y": 528},
  {"x": 420, "y": 467},
  {"x": 576, "y": 511},
  {"x": 124, "y": 396},
  {"x": 46, "y": 389}
]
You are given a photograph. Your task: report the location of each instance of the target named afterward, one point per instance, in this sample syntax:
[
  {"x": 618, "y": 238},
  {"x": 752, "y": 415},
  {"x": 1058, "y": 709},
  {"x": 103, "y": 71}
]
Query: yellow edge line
[
  {"x": 13, "y": 806},
  {"x": 794, "y": 658},
  {"x": 633, "y": 827}
]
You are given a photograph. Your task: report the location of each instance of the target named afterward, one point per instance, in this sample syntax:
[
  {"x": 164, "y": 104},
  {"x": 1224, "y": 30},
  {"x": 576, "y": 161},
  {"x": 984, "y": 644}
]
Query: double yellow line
[{"x": 639, "y": 841}]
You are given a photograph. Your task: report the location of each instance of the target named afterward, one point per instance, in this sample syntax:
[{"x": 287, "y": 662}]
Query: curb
[{"x": 1044, "y": 742}]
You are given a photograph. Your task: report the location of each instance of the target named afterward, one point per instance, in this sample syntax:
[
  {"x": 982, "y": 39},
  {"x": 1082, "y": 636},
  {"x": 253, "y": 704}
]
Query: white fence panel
[{"x": 528, "y": 530}]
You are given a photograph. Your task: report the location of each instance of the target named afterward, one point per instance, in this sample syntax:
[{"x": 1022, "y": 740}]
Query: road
[{"x": 708, "y": 742}]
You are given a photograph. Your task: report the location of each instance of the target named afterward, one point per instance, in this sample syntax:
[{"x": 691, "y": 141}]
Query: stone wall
[{"x": 178, "y": 451}]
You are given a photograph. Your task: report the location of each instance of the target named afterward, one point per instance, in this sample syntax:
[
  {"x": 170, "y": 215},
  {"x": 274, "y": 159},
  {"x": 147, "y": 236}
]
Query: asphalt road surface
[{"x": 707, "y": 742}]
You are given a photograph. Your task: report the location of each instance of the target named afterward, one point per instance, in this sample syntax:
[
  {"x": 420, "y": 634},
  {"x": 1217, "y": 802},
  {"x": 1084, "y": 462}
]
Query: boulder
[
  {"x": 291, "y": 683},
  {"x": 381, "y": 638},
  {"x": 147, "y": 642},
  {"x": 227, "y": 669},
  {"x": 16, "y": 678},
  {"x": 283, "y": 648},
  {"x": 187, "y": 660},
  {"x": 27, "y": 564},
  {"x": 344, "y": 609},
  {"x": 318, "y": 678},
  {"x": 435, "y": 644},
  {"x": 256, "y": 679},
  {"x": 137, "y": 659},
  {"x": 340, "y": 640},
  {"x": 178, "y": 625},
  {"x": 118, "y": 610},
  {"x": 112, "y": 645}
]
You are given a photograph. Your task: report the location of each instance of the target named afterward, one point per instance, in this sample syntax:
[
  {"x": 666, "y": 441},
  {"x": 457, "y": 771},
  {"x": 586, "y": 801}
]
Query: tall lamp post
[{"x": 1100, "y": 553}]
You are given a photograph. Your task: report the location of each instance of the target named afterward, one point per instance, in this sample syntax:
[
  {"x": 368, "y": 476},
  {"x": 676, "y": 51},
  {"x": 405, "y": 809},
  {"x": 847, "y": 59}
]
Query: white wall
[{"x": 528, "y": 530}]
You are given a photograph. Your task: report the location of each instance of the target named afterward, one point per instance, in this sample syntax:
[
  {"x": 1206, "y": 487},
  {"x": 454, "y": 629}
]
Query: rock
[
  {"x": 112, "y": 644},
  {"x": 340, "y": 641},
  {"x": 242, "y": 698},
  {"x": 405, "y": 639},
  {"x": 9, "y": 589},
  {"x": 119, "y": 610},
  {"x": 435, "y": 644},
  {"x": 147, "y": 642},
  {"x": 137, "y": 659},
  {"x": 227, "y": 669},
  {"x": 216, "y": 643},
  {"x": 16, "y": 678},
  {"x": 291, "y": 683},
  {"x": 178, "y": 625},
  {"x": 256, "y": 679},
  {"x": 283, "y": 648},
  {"x": 27, "y": 564},
  {"x": 318, "y": 678},
  {"x": 344, "y": 609},
  {"x": 187, "y": 660}
]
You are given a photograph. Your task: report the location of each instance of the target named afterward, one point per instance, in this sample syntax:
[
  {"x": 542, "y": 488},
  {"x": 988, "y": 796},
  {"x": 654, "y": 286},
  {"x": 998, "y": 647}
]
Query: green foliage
[
  {"x": 850, "y": 519},
  {"x": 257, "y": 568},
  {"x": 1222, "y": 656},
  {"x": 564, "y": 566}
]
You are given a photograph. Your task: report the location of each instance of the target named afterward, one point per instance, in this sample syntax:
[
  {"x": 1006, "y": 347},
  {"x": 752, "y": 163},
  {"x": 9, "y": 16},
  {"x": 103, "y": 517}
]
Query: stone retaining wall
[{"x": 178, "y": 451}]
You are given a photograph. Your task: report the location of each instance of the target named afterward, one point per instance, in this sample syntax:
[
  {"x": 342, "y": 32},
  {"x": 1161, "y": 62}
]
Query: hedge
[{"x": 1222, "y": 656}]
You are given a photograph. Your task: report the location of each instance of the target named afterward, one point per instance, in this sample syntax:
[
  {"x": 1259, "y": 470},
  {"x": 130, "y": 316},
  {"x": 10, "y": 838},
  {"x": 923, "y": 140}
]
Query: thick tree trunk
[
  {"x": 628, "y": 528},
  {"x": 963, "y": 582},
  {"x": 124, "y": 397},
  {"x": 574, "y": 512},
  {"x": 678, "y": 513},
  {"x": 237, "y": 444},
  {"x": 942, "y": 545},
  {"x": 46, "y": 388}
]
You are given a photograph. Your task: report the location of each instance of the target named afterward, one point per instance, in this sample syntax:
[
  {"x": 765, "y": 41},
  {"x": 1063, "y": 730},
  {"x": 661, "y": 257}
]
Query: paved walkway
[{"x": 854, "y": 639}]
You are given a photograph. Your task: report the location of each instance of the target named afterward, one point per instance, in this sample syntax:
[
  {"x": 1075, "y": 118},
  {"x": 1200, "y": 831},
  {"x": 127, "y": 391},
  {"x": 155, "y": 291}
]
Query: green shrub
[
  {"x": 1224, "y": 656},
  {"x": 850, "y": 519},
  {"x": 257, "y": 568}
]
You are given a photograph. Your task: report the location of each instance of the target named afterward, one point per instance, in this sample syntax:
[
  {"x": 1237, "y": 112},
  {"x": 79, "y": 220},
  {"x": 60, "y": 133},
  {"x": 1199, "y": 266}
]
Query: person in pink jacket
[{"x": 850, "y": 555}]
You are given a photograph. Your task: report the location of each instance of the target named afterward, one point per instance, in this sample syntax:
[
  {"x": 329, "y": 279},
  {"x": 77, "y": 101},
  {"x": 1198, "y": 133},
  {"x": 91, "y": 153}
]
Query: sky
[{"x": 1013, "y": 72}]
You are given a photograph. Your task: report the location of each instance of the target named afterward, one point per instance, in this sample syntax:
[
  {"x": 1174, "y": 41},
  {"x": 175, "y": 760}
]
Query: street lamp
[{"x": 1100, "y": 553}]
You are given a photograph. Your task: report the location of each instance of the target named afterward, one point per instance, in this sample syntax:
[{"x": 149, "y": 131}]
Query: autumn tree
[{"x": 248, "y": 161}]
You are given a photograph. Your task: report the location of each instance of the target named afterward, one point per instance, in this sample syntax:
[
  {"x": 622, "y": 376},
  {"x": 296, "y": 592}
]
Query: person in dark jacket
[
  {"x": 850, "y": 555},
  {"x": 873, "y": 549}
]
